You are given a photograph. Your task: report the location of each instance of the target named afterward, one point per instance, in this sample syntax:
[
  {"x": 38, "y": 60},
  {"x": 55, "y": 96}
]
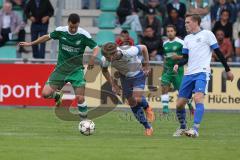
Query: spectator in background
[
  {"x": 201, "y": 7},
  {"x": 153, "y": 21},
  {"x": 86, "y": 4},
  {"x": 153, "y": 43},
  {"x": 177, "y": 21},
  {"x": 124, "y": 37},
  {"x": 236, "y": 27},
  {"x": 224, "y": 24},
  {"x": 159, "y": 5},
  {"x": 217, "y": 8},
  {"x": 179, "y": 6},
  {"x": 39, "y": 12},
  {"x": 225, "y": 46},
  {"x": 237, "y": 48},
  {"x": 238, "y": 5},
  {"x": 127, "y": 13},
  {"x": 11, "y": 24}
]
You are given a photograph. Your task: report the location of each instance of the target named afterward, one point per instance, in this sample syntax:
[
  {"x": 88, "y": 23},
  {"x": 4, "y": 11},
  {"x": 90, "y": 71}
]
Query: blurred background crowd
[{"x": 132, "y": 21}]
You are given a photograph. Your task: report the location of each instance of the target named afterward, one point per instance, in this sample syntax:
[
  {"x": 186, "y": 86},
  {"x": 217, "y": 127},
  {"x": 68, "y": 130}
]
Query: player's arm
[
  {"x": 109, "y": 78},
  {"x": 145, "y": 55},
  {"x": 93, "y": 57},
  {"x": 224, "y": 62},
  {"x": 176, "y": 57},
  {"x": 181, "y": 62},
  {"x": 38, "y": 41}
]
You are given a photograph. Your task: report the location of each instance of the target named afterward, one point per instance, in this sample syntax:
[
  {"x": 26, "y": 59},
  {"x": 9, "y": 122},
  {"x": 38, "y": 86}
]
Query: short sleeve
[
  {"x": 55, "y": 34},
  {"x": 237, "y": 43},
  {"x": 90, "y": 43},
  {"x": 185, "y": 49},
  {"x": 133, "y": 51},
  {"x": 211, "y": 40},
  {"x": 104, "y": 63}
]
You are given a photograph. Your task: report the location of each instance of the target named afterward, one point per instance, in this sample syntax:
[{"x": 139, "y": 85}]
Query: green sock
[
  {"x": 82, "y": 108},
  {"x": 189, "y": 103}
]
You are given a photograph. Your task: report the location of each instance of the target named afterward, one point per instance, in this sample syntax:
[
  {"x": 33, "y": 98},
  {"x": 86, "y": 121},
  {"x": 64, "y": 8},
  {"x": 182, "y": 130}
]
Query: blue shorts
[
  {"x": 129, "y": 83},
  {"x": 193, "y": 83}
]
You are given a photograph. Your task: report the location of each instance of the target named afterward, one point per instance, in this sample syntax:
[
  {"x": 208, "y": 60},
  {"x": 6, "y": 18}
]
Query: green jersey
[
  {"x": 71, "y": 47},
  {"x": 170, "y": 48}
]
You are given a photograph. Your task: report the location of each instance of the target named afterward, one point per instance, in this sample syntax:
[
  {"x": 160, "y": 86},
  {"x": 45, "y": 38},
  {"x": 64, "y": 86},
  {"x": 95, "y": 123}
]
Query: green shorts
[
  {"x": 76, "y": 78},
  {"x": 169, "y": 78}
]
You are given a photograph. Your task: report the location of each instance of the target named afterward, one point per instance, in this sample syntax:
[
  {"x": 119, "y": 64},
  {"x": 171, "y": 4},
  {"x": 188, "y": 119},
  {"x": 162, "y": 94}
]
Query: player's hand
[
  {"x": 175, "y": 68},
  {"x": 45, "y": 19},
  {"x": 146, "y": 69},
  {"x": 116, "y": 89},
  {"x": 230, "y": 76},
  {"x": 25, "y": 43},
  {"x": 175, "y": 56},
  {"x": 33, "y": 19}
]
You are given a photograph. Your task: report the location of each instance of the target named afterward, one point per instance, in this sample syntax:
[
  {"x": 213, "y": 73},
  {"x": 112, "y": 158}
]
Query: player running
[
  {"x": 197, "y": 52},
  {"x": 173, "y": 53},
  {"x": 72, "y": 43},
  {"x": 132, "y": 76}
]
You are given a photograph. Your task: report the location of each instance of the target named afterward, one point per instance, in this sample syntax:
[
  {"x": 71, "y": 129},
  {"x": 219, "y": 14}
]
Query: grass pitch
[{"x": 37, "y": 134}]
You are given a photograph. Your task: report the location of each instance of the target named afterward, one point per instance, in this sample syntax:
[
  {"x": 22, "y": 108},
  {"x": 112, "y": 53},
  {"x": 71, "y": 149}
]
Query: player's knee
[
  {"x": 46, "y": 93},
  {"x": 181, "y": 103},
  {"x": 198, "y": 98},
  {"x": 132, "y": 102},
  {"x": 80, "y": 99}
]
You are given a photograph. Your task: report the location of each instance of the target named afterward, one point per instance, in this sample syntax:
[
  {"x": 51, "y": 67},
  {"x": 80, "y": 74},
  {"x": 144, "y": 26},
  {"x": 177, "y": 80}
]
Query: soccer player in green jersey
[
  {"x": 172, "y": 53},
  {"x": 72, "y": 43}
]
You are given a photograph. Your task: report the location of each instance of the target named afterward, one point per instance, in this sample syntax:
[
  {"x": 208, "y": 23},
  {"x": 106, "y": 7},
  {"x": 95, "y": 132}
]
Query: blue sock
[
  {"x": 140, "y": 116},
  {"x": 181, "y": 115},
  {"x": 144, "y": 103},
  {"x": 198, "y": 115}
]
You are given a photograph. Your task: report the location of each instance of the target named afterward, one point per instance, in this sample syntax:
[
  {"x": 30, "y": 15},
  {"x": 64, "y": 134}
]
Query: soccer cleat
[
  {"x": 179, "y": 132},
  {"x": 59, "y": 99},
  {"x": 165, "y": 110},
  {"x": 192, "y": 133},
  {"x": 150, "y": 114},
  {"x": 148, "y": 131}
]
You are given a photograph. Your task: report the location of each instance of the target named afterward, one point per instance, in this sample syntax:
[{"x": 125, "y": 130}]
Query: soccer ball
[{"x": 86, "y": 127}]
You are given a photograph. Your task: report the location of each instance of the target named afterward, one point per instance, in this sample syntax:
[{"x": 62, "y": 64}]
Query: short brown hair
[
  {"x": 172, "y": 26},
  {"x": 195, "y": 18},
  {"x": 109, "y": 49}
]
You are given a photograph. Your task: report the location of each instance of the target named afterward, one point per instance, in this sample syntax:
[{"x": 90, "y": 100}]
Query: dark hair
[
  {"x": 74, "y": 18},
  {"x": 149, "y": 26},
  {"x": 226, "y": 10},
  {"x": 125, "y": 31},
  {"x": 239, "y": 34},
  {"x": 195, "y": 18},
  {"x": 219, "y": 29},
  {"x": 171, "y": 26}
]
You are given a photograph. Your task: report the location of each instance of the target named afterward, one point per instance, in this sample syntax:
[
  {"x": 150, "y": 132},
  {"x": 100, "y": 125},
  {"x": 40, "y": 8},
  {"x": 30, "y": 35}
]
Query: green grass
[{"x": 37, "y": 134}]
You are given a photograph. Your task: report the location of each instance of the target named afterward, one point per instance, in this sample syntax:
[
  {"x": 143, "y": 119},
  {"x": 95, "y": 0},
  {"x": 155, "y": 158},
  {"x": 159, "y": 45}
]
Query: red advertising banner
[{"x": 22, "y": 84}]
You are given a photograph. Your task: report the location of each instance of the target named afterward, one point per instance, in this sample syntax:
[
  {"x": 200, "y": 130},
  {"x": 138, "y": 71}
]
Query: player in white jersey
[
  {"x": 132, "y": 76},
  {"x": 197, "y": 52}
]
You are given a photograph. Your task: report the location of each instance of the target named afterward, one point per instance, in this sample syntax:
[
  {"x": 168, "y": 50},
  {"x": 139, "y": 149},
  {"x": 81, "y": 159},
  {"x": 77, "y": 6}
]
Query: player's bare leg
[
  {"x": 199, "y": 99},
  {"x": 181, "y": 115},
  {"x": 82, "y": 105},
  {"x": 135, "y": 102},
  {"x": 53, "y": 92}
]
